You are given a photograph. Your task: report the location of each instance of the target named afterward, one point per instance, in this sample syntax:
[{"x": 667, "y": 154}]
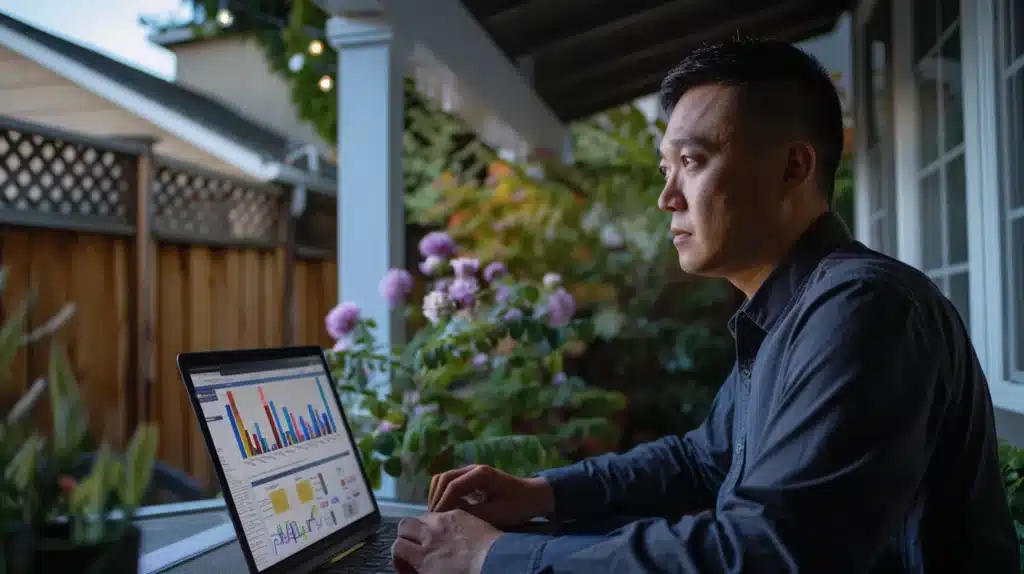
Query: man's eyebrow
[
  {"x": 681, "y": 142},
  {"x": 693, "y": 141}
]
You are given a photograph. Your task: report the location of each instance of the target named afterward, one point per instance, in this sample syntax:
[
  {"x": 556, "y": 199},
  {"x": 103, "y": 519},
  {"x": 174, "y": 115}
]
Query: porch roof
[{"x": 584, "y": 56}]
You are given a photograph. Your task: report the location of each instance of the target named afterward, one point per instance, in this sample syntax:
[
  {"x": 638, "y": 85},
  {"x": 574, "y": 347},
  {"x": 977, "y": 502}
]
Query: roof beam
[
  {"x": 453, "y": 36},
  {"x": 631, "y": 86},
  {"x": 776, "y": 21},
  {"x": 638, "y": 27},
  {"x": 521, "y": 30}
]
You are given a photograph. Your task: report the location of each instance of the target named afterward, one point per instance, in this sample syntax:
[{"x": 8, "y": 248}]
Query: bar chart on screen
[{"x": 274, "y": 416}]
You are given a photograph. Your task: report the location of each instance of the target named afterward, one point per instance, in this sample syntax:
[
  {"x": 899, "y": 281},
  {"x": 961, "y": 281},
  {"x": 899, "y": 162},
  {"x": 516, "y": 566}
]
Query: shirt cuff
[
  {"x": 575, "y": 492},
  {"x": 515, "y": 553}
]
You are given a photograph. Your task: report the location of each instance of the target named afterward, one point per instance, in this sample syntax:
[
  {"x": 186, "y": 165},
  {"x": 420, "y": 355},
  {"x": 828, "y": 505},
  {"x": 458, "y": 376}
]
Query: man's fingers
[
  {"x": 450, "y": 497},
  {"x": 439, "y": 483},
  {"x": 405, "y": 552},
  {"x": 411, "y": 529}
]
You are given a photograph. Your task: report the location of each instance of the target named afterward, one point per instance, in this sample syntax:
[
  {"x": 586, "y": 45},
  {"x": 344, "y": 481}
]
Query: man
[{"x": 855, "y": 433}]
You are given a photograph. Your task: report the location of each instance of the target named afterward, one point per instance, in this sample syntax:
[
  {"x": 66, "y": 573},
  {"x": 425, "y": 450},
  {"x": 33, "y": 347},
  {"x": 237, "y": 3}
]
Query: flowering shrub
[{"x": 482, "y": 382}]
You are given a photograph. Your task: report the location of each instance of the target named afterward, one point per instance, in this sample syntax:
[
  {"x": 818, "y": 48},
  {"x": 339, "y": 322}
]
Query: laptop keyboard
[{"x": 374, "y": 558}]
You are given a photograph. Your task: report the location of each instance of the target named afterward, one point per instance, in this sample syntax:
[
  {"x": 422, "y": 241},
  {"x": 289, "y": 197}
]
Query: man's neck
[{"x": 751, "y": 277}]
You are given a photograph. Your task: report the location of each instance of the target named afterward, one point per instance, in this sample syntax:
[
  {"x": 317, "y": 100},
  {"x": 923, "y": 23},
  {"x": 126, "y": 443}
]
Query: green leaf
[
  {"x": 24, "y": 466},
  {"x": 140, "y": 458},
  {"x": 531, "y": 294},
  {"x": 393, "y": 466},
  {"x": 385, "y": 443},
  {"x": 373, "y": 472}
]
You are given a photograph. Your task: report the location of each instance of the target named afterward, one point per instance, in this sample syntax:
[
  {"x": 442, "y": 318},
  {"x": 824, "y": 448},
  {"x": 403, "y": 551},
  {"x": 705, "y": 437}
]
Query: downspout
[{"x": 296, "y": 208}]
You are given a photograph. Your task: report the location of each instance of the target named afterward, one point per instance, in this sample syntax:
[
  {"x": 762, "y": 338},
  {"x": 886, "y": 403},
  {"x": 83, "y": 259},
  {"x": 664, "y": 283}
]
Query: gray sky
[{"x": 110, "y": 26}]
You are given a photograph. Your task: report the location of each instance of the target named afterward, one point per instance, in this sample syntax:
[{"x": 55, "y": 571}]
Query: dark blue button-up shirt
[{"x": 855, "y": 434}]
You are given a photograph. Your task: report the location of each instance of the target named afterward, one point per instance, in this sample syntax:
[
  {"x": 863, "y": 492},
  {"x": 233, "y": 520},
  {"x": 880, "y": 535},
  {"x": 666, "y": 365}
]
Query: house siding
[
  {"x": 228, "y": 68},
  {"x": 31, "y": 92}
]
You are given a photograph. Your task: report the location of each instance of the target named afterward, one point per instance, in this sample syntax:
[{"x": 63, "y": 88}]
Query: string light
[
  {"x": 326, "y": 83},
  {"x": 316, "y": 47},
  {"x": 224, "y": 16}
]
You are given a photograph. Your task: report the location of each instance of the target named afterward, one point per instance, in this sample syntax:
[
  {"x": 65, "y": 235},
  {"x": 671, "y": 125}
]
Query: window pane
[
  {"x": 959, "y": 294},
  {"x": 956, "y": 195},
  {"x": 1015, "y": 139},
  {"x": 949, "y": 12},
  {"x": 952, "y": 93},
  {"x": 1015, "y": 292},
  {"x": 926, "y": 20},
  {"x": 928, "y": 109},
  {"x": 931, "y": 222},
  {"x": 877, "y": 234},
  {"x": 1013, "y": 16}
]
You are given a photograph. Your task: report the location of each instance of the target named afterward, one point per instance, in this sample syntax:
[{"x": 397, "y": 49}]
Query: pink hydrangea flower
[
  {"x": 495, "y": 270},
  {"x": 465, "y": 267},
  {"x": 437, "y": 306},
  {"x": 342, "y": 344},
  {"x": 438, "y": 244},
  {"x": 385, "y": 426},
  {"x": 395, "y": 286},
  {"x": 463, "y": 291},
  {"x": 342, "y": 319},
  {"x": 552, "y": 280},
  {"x": 513, "y": 315},
  {"x": 561, "y": 308},
  {"x": 481, "y": 360},
  {"x": 431, "y": 265},
  {"x": 502, "y": 293}
]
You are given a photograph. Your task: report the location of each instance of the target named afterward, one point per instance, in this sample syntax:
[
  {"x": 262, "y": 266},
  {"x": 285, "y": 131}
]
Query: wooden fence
[{"x": 211, "y": 267}]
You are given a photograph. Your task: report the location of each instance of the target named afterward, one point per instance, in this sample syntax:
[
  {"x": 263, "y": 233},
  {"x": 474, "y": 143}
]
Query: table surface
[{"x": 198, "y": 537}]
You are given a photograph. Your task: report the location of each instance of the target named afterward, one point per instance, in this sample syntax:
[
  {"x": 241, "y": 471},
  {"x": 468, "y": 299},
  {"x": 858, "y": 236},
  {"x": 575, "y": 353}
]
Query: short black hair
[{"x": 786, "y": 85}]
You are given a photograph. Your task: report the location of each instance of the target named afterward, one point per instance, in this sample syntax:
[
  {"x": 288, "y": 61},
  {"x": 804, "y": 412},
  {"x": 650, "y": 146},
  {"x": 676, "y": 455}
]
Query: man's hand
[
  {"x": 453, "y": 542},
  {"x": 502, "y": 499}
]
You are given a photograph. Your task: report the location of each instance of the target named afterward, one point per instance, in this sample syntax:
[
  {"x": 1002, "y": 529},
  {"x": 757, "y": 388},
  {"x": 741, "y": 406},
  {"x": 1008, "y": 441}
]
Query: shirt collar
[{"x": 772, "y": 299}]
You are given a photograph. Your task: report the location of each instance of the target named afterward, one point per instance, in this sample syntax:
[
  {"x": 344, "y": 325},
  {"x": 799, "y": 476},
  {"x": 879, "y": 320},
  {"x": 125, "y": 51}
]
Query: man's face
[{"x": 720, "y": 182}]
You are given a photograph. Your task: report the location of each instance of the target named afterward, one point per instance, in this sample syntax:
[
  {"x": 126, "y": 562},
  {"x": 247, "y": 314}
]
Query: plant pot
[{"x": 51, "y": 550}]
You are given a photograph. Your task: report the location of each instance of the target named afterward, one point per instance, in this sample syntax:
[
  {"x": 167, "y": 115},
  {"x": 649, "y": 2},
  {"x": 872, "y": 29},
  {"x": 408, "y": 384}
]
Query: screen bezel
[{"x": 324, "y": 549}]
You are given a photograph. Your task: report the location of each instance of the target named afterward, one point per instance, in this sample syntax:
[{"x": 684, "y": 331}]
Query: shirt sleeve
[
  {"x": 669, "y": 476},
  {"x": 845, "y": 447}
]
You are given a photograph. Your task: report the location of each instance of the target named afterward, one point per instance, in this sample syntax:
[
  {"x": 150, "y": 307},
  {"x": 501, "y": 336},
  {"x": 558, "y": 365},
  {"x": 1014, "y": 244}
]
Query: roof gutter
[{"x": 291, "y": 175}]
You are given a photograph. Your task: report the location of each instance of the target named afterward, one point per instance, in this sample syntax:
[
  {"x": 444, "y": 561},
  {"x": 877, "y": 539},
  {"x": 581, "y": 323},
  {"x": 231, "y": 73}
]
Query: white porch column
[{"x": 371, "y": 221}]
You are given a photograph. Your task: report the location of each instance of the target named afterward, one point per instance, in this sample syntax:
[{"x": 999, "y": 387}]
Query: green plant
[
  {"x": 1011, "y": 461},
  {"x": 483, "y": 380},
  {"x": 660, "y": 335},
  {"x": 37, "y": 486}
]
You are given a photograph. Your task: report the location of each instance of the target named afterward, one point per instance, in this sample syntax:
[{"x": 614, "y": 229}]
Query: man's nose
[{"x": 671, "y": 198}]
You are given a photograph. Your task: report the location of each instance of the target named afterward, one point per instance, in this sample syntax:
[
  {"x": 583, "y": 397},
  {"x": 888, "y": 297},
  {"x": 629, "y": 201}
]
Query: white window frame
[
  {"x": 1007, "y": 216},
  {"x": 868, "y": 213},
  {"x": 983, "y": 163}
]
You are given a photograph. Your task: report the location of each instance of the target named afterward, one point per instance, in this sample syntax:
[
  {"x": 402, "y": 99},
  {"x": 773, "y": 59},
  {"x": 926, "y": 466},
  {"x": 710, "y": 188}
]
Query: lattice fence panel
[
  {"x": 45, "y": 180},
  {"x": 196, "y": 206}
]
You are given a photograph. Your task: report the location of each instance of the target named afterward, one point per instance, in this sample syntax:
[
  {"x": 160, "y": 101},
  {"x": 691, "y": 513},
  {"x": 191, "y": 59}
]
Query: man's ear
[{"x": 801, "y": 164}]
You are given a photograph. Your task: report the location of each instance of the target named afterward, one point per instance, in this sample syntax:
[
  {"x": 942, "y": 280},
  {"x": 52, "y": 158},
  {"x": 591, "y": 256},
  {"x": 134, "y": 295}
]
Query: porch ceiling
[{"x": 588, "y": 55}]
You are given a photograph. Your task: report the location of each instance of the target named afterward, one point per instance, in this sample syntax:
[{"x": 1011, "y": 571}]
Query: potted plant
[
  {"x": 482, "y": 381},
  {"x": 53, "y": 519}
]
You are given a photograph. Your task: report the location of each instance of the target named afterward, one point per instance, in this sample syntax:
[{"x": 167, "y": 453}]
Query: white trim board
[{"x": 159, "y": 115}]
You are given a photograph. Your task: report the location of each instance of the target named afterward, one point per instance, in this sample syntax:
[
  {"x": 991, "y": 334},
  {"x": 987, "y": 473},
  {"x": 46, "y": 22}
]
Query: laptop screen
[{"x": 290, "y": 465}]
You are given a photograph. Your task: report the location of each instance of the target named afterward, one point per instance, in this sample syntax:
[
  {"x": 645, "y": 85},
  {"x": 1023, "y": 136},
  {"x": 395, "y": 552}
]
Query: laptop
[{"x": 289, "y": 468}]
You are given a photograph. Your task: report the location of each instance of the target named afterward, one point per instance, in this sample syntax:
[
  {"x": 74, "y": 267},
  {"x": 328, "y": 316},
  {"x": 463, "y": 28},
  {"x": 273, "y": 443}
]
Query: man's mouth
[{"x": 680, "y": 236}]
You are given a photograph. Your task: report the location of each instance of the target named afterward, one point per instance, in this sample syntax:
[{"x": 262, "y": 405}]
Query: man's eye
[{"x": 663, "y": 171}]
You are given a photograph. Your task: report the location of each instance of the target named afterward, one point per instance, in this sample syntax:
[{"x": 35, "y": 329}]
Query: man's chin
[{"x": 690, "y": 264}]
